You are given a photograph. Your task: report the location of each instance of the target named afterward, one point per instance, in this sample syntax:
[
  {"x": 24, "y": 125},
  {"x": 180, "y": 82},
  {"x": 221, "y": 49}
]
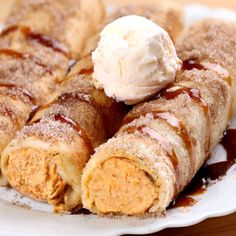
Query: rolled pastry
[
  {"x": 71, "y": 22},
  {"x": 25, "y": 82},
  {"x": 168, "y": 16},
  {"x": 46, "y": 159},
  {"x": 164, "y": 142},
  {"x": 33, "y": 60},
  {"x": 51, "y": 52}
]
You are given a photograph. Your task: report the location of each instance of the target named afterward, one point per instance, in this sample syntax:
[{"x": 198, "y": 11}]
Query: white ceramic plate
[{"x": 37, "y": 219}]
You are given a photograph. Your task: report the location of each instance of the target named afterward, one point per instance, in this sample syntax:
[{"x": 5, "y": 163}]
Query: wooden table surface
[{"x": 222, "y": 226}]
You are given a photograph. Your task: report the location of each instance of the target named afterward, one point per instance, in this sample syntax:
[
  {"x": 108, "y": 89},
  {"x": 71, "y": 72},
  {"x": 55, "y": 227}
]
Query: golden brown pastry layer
[{"x": 171, "y": 137}]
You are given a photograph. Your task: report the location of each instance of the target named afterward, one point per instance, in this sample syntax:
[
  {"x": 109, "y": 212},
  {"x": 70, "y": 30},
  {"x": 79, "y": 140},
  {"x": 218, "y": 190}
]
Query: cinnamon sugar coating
[
  {"x": 51, "y": 53},
  {"x": 63, "y": 20}
]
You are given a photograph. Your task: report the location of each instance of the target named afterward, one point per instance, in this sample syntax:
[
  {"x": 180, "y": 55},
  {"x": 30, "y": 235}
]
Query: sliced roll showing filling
[
  {"x": 25, "y": 82},
  {"x": 164, "y": 142},
  {"x": 46, "y": 159}
]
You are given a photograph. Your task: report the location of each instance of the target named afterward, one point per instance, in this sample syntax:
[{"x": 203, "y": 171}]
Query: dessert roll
[
  {"x": 24, "y": 83},
  {"x": 164, "y": 142},
  {"x": 46, "y": 159},
  {"x": 169, "y": 17},
  {"x": 196, "y": 49},
  {"x": 35, "y": 54},
  {"x": 70, "y": 22}
]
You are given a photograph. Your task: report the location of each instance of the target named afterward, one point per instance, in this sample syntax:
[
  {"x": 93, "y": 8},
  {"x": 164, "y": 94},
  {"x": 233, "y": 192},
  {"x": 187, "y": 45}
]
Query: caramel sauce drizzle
[
  {"x": 185, "y": 201},
  {"x": 87, "y": 98},
  {"x": 10, "y": 113},
  {"x": 78, "y": 96},
  {"x": 192, "y": 64},
  {"x": 74, "y": 125},
  {"x": 87, "y": 71},
  {"x": 66, "y": 120},
  {"x": 209, "y": 173},
  {"x": 45, "y": 40},
  {"x": 176, "y": 125},
  {"x": 60, "y": 117},
  {"x": 153, "y": 134},
  {"x": 8, "y": 30},
  {"x": 195, "y": 95},
  {"x": 14, "y": 54},
  {"x": 25, "y": 92},
  {"x": 195, "y": 64}
]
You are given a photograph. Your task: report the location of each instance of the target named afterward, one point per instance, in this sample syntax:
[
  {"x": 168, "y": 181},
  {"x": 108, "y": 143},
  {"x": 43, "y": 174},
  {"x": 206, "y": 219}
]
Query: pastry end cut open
[
  {"x": 45, "y": 174},
  {"x": 122, "y": 185},
  {"x": 118, "y": 186}
]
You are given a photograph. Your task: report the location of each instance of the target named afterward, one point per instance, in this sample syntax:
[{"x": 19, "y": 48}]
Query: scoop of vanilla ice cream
[{"x": 135, "y": 59}]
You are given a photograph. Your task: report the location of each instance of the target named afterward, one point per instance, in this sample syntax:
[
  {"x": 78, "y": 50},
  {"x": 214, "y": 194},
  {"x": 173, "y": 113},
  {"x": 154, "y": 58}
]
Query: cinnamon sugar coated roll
[
  {"x": 37, "y": 45},
  {"x": 164, "y": 142},
  {"x": 46, "y": 159}
]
